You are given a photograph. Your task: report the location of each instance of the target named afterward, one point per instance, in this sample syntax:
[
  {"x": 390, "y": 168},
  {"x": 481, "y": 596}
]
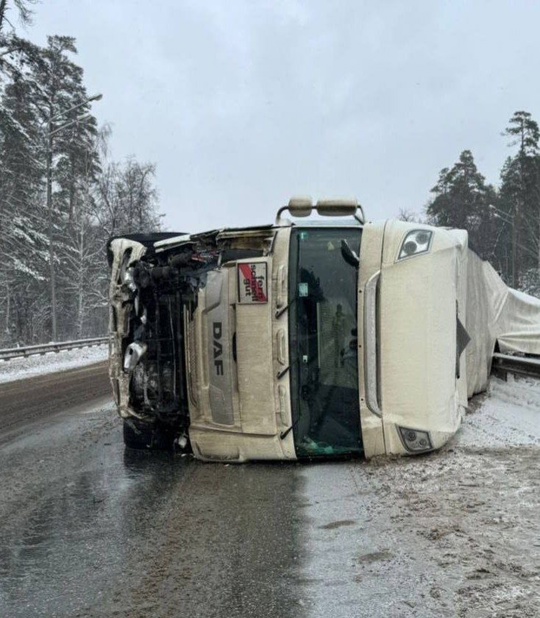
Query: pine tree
[
  {"x": 520, "y": 195},
  {"x": 22, "y": 7},
  {"x": 57, "y": 205},
  {"x": 12, "y": 48},
  {"x": 463, "y": 200},
  {"x": 69, "y": 147},
  {"x": 46, "y": 156},
  {"x": 21, "y": 175}
]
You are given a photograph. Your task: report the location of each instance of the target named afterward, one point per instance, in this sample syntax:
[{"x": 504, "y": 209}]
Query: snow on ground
[
  {"x": 20, "y": 368},
  {"x": 508, "y": 416},
  {"x": 455, "y": 533}
]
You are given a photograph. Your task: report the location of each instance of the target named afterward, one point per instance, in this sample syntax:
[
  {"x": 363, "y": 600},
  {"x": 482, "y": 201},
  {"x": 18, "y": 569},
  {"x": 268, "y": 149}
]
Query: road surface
[{"x": 88, "y": 529}]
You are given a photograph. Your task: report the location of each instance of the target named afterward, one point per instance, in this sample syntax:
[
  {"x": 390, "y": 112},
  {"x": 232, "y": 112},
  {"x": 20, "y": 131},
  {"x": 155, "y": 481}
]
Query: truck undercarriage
[{"x": 154, "y": 293}]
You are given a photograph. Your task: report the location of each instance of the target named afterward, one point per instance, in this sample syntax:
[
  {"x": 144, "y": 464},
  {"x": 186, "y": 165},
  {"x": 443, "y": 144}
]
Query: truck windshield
[{"x": 324, "y": 342}]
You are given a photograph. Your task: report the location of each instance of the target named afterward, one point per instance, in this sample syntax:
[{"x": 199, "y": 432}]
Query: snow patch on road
[{"x": 21, "y": 368}]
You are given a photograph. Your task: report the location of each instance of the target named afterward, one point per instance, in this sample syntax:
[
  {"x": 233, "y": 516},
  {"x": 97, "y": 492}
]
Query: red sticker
[{"x": 252, "y": 285}]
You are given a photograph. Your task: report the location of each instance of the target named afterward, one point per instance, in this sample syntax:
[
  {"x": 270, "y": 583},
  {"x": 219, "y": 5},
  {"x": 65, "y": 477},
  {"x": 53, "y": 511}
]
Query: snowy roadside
[
  {"x": 20, "y": 368},
  {"x": 508, "y": 416},
  {"x": 453, "y": 533}
]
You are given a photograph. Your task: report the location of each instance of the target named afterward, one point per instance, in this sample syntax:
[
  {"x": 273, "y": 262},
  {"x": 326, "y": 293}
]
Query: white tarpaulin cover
[{"x": 496, "y": 313}]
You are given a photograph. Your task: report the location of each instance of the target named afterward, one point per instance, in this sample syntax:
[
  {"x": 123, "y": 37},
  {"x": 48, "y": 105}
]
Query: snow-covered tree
[{"x": 60, "y": 196}]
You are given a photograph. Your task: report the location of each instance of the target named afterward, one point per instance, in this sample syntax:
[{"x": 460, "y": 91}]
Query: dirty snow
[
  {"x": 452, "y": 533},
  {"x": 508, "y": 416},
  {"x": 20, "y": 368}
]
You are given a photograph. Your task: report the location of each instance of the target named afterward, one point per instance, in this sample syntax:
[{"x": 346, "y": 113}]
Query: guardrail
[
  {"x": 30, "y": 350},
  {"x": 521, "y": 365}
]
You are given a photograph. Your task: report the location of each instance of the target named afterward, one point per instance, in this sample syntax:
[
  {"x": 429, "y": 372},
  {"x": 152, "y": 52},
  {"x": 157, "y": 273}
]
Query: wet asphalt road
[
  {"x": 24, "y": 402},
  {"x": 88, "y": 529}
]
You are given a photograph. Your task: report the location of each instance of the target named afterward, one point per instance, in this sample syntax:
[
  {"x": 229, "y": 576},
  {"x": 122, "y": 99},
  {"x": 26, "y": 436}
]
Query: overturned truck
[{"x": 328, "y": 337}]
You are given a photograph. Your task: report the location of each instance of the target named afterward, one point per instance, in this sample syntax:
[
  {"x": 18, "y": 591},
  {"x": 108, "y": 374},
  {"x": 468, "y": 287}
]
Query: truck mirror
[{"x": 348, "y": 254}]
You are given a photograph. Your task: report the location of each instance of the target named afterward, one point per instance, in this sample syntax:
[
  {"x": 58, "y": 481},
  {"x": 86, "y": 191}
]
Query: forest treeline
[
  {"x": 61, "y": 197},
  {"x": 503, "y": 221}
]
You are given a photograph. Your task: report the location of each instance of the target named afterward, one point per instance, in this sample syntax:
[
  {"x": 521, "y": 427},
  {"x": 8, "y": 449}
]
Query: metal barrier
[
  {"x": 521, "y": 365},
  {"x": 30, "y": 350}
]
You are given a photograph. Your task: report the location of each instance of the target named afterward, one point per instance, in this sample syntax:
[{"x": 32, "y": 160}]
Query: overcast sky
[{"x": 243, "y": 103}]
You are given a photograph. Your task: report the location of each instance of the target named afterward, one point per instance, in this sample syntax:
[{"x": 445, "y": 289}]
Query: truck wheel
[
  {"x": 137, "y": 434},
  {"x": 140, "y": 435}
]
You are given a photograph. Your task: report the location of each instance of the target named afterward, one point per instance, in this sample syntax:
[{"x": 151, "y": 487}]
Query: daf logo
[{"x": 217, "y": 332}]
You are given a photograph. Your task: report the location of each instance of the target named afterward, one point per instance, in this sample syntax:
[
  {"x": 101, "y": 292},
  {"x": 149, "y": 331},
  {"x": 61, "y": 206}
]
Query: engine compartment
[{"x": 154, "y": 293}]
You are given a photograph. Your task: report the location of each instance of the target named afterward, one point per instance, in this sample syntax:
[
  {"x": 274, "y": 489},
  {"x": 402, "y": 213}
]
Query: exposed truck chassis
[{"x": 154, "y": 292}]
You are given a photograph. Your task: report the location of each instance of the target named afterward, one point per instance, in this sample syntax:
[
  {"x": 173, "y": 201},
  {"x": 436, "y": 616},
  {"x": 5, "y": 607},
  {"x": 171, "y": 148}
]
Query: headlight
[
  {"x": 415, "y": 441},
  {"x": 416, "y": 242}
]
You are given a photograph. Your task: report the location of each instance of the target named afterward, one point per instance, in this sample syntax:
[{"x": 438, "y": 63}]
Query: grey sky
[{"x": 242, "y": 103}]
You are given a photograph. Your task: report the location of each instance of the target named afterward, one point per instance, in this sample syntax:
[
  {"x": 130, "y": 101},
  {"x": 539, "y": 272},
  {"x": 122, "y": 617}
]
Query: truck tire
[
  {"x": 140, "y": 435},
  {"x": 137, "y": 434}
]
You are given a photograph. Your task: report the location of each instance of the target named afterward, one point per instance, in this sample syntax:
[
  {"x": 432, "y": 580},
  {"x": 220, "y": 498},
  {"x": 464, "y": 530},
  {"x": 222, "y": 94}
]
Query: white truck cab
[{"x": 333, "y": 337}]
